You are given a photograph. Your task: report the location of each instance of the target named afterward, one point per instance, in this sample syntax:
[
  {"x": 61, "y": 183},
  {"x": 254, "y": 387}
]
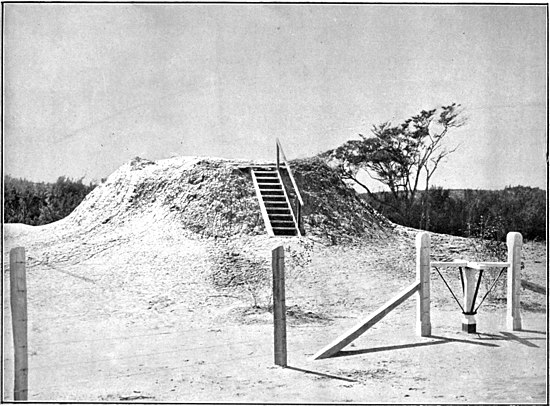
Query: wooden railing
[{"x": 298, "y": 201}]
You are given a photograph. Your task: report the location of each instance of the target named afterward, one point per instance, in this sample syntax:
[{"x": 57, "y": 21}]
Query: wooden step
[
  {"x": 267, "y": 180},
  {"x": 274, "y": 198},
  {"x": 263, "y": 166},
  {"x": 272, "y": 192},
  {"x": 277, "y": 210},
  {"x": 280, "y": 205},
  {"x": 269, "y": 186},
  {"x": 279, "y": 216},
  {"x": 284, "y": 231},
  {"x": 282, "y": 224}
]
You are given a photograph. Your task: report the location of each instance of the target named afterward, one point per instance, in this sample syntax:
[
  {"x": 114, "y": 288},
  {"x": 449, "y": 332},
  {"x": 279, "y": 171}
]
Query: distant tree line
[
  {"x": 42, "y": 203},
  {"x": 471, "y": 213}
]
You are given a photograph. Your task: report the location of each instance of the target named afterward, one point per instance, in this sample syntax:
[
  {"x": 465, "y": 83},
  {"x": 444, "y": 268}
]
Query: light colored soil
[{"x": 132, "y": 317}]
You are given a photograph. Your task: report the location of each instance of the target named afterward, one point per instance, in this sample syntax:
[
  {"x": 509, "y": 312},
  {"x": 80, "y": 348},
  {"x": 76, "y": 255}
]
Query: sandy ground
[{"x": 137, "y": 322}]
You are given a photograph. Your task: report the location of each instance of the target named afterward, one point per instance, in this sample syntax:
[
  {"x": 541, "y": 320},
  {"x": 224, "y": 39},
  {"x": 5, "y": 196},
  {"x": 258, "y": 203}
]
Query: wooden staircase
[{"x": 274, "y": 204}]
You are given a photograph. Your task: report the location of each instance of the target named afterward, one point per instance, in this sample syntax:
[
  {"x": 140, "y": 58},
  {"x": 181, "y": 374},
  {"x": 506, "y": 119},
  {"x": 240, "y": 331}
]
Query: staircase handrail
[
  {"x": 300, "y": 203},
  {"x": 287, "y": 165}
]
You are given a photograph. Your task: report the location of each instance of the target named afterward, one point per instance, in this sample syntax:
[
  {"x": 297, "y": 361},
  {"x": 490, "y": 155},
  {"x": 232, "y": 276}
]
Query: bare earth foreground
[{"x": 132, "y": 317}]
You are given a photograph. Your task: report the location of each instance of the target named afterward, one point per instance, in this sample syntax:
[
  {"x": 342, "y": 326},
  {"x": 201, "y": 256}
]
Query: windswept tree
[{"x": 403, "y": 156}]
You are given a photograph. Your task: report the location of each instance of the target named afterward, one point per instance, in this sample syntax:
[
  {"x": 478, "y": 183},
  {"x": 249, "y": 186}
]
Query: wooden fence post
[
  {"x": 423, "y": 323},
  {"x": 279, "y": 306},
  {"x": 513, "y": 317},
  {"x": 18, "y": 301}
]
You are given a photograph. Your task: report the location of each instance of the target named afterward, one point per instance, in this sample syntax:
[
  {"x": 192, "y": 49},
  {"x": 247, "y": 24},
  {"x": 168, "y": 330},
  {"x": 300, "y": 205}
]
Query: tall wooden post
[
  {"x": 513, "y": 316},
  {"x": 279, "y": 306},
  {"x": 423, "y": 323},
  {"x": 18, "y": 300}
]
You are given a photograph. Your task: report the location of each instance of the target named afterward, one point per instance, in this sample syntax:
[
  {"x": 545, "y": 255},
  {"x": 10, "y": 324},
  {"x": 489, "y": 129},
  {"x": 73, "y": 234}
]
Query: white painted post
[
  {"x": 18, "y": 301},
  {"x": 423, "y": 323},
  {"x": 514, "y": 242},
  {"x": 469, "y": 324},
  {"x": 279, "y": 306}
]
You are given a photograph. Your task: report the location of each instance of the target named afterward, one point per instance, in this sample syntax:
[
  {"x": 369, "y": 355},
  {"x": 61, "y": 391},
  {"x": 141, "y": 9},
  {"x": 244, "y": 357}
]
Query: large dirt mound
[
  {"x": 208, "y": 197},
  {"x": 332, "y": 209},
  {"x": 212, "y": 197}
]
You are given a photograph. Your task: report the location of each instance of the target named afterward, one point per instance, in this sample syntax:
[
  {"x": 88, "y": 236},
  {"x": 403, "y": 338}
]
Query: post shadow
[
  {"x": 507, "y": 336},
  {"x": 533, "y": 331},
  {"x": 520, "y": 340},
  {"x": 321, "y": 374},
  {"x": 440, "y": 340}
]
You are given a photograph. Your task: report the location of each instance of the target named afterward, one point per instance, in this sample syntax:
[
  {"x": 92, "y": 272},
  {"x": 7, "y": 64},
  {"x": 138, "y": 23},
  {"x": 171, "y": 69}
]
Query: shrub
[
  {"x": 488, "y": 246},
  {"x": 234, "y": 270},
  {"x": 237, "y": 267},
  {"x": 42, "y": 203}
]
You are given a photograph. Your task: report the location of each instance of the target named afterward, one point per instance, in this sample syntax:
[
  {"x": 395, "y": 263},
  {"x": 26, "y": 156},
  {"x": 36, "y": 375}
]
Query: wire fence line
[
  {"x": 56, "y": 265},
  {"x": 175, "y": 333},
  {"x": 156, "y": 370},
  {"x": 178, "y": 333},
  {"x": 311, "y": 269},
  {"x": 147, "y": 333},
  {"x": 260, "y": 343},
  {"x": 151, "y": 354}
]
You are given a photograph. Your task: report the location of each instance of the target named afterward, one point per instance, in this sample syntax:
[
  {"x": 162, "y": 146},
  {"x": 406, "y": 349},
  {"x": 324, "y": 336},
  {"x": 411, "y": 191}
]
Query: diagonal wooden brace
[
  {"x": 353, "y": 333},
  {"x": 422, "y": 286}
]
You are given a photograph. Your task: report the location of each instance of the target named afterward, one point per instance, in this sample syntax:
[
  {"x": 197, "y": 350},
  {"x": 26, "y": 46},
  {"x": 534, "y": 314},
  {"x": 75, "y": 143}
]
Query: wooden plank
[
  {"x": 279, "y": 306},
  {"x": 453, "y": 264},
  {"x": 486, "y": 265},
  {"x": 18, "y": 300},
  {"x": 367, "y": 323}
]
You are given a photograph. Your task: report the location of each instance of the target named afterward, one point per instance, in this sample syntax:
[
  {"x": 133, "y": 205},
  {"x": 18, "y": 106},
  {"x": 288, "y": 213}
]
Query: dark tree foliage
[
  {"x": 41, "y": 203},
  {"x": 404, "y": 157},
  {"x": 490, "y": 214}
]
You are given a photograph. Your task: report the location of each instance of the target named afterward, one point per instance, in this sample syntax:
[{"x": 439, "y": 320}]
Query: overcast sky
[{"x": 89, "y": 86}]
